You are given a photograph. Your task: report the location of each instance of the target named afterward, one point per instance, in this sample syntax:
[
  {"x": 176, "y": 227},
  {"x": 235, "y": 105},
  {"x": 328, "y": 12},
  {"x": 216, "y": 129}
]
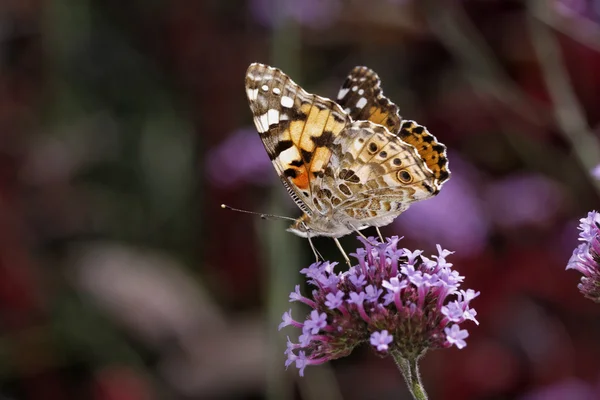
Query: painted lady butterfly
[{"x": 348, "y": 164}]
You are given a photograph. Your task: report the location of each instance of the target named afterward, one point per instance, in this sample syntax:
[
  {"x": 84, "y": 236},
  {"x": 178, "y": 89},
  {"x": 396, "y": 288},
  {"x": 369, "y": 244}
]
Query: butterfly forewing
[
  {"x": 362, "y": 98},
  {"x": 297, "y": 129}
]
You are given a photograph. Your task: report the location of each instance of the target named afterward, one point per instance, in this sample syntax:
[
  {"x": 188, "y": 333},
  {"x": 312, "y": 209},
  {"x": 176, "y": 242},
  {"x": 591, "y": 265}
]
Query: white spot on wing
[
  {"x": 361, "y": 103},
  {"x": 361, "y": 91},
  {"x": 252, "y": 94},
  {"x": 263, "y": 121},
  {"x": 354, "y": 88},
  {"x": 287, "y": 102},
  {"x": 273, "y": 117},
  {"x": 265, "y": 88},
  {"x": 289, "y": 155},
  {"x": 276, "y": 90},
  {"x": 342, "y": 93},
  {"x": 259, "y": 125}
]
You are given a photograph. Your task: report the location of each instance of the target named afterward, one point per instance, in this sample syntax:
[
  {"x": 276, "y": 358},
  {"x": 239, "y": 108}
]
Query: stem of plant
[{"x": 410, "y": 370}]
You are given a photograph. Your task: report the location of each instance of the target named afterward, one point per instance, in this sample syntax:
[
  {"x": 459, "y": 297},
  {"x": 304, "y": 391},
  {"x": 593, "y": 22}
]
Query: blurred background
[{"x": 124, "y": 126}]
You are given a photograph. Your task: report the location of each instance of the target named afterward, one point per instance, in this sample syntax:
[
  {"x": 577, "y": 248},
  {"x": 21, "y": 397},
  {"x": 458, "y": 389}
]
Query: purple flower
[
  {"x": 381, "y": 340},
  {"x": 398, "y": 300},
  {"x": 288, "y": 320},
  {"x": 586, "y": 257},
  {"x": 358, "y": 280},
  {"x": 334, "y": 300},
  {"x": 453, "y": 311},
  {"x": 372, "y": 293},
  {"x": 456, "y": 336},
  {"x": 316, "y": 322}
]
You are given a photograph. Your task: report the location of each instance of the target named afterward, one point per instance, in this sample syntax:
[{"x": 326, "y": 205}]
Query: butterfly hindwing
[
  {"x": 376, "y": 173},
  {"x": 431, "y": 151},
  {"x": 297, "y": 129}
]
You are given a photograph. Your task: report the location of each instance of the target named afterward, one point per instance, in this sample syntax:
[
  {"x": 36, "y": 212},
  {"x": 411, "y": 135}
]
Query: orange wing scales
[{"x": 431, "y": 151}]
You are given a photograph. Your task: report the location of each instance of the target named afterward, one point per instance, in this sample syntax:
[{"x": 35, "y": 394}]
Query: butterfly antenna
[{"x": 262, "y": 215}]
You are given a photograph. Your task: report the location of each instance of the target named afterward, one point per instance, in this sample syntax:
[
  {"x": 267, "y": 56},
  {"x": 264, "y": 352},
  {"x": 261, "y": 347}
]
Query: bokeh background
[{"x": 124, "y": 125}]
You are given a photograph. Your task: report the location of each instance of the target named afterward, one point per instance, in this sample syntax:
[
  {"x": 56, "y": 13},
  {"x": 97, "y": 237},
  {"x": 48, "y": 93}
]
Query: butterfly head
[{"x": 300, "y": 227}]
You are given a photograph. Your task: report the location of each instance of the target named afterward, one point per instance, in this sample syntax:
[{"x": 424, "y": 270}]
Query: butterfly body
[{"x": 346, "y": 169}]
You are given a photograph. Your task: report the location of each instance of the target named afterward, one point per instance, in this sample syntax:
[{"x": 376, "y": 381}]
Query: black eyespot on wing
[{"x": 404, "y": 176}]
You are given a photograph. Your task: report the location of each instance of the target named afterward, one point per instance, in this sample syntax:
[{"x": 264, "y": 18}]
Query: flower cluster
[
  {"x": 398, "y": 300},
  {"x": 586, "y": 257}
]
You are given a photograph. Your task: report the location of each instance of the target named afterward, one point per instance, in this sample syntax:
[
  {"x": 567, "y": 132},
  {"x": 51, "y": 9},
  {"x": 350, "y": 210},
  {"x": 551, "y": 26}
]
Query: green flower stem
[{"x": 410, "y": 370}]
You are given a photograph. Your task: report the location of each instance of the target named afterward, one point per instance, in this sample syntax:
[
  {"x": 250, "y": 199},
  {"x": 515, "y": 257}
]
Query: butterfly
[{"x": 348, "y": 164}]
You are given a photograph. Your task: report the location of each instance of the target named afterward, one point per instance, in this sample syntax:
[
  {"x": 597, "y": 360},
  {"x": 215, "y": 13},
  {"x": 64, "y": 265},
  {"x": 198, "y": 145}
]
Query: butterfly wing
[
  {"x": 297, "y": 129},
  {"x": 362, "y": 98},
  {"x": 376, "y": 176},
  {"x": 430, "y": 150}
]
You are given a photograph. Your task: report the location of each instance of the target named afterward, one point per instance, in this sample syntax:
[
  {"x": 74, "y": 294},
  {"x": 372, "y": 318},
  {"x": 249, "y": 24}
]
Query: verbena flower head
[
  {"x": 586, "y": 257},
  {"x": 395, "y": 299}
]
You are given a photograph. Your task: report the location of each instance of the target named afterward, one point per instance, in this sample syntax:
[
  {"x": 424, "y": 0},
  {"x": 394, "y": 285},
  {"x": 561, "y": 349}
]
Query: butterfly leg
[
  {"x": 380, "y": 235},
  {"x": 359, "y": 232},
  {"x": 337, "y": 242},
  {"x": 315, "y": 252}
]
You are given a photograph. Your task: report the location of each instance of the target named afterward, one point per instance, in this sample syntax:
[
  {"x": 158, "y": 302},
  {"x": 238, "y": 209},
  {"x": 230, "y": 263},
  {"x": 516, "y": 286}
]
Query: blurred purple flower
[
  {"x": 567, "y": 389},
  {"x": 596, "y": 170},
  {"x": 406, "y": 322},
  {"x": 241, "y": 158},
  {"x": 315, "y": 14},
  {"x": 570, "y": 7},
  {"x": 455, "y": 216},
  {"x": 586, "y": 257},
  {"x": 588, "y": 9},
  {"x": 524, "y": 199}
]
